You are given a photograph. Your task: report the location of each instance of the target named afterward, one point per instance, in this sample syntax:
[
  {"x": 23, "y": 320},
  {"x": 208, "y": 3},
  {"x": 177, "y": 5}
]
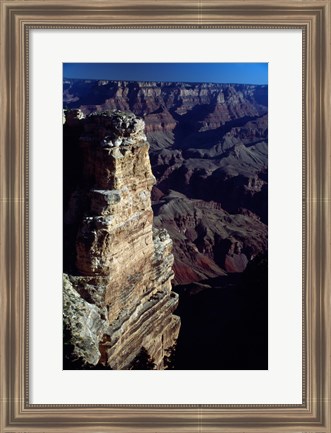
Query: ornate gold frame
[{"x": 17, "y": 17}]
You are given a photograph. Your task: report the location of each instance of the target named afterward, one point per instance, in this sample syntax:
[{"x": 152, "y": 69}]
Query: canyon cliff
[
  {"x": 118, "y": 299},
  {"x": 208, "y": 150},
  {"x": 209, "y": 154}
]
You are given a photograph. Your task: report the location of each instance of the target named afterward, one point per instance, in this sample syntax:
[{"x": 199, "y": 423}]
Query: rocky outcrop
[
  {"x": 84, "y": 324},
  {"x": 209, "y": 154},
  {"x": 208, "y": 140},
  {"x": 121, "y": 289},
  {"x": 165, "y": 104},
  {"x": 208, "y": 241}
]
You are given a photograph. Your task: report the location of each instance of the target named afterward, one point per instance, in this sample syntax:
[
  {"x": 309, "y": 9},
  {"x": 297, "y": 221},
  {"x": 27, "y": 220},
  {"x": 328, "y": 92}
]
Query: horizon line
[{"x": 161, "y": 81}]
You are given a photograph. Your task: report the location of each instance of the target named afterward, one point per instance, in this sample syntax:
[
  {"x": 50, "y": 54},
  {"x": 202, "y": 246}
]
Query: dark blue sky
[{"x": 242, "y": 73}]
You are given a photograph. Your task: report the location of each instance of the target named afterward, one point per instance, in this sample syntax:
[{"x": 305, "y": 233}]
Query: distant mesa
[{"x": 209, "y": 143}]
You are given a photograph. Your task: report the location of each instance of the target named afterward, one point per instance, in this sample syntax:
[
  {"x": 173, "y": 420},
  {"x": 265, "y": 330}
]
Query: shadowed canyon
[{"x": 165, "y": 225}]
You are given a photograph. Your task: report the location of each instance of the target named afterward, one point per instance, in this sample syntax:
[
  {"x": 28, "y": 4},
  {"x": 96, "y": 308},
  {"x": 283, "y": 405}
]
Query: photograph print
[{"x": 165, "y": 216}]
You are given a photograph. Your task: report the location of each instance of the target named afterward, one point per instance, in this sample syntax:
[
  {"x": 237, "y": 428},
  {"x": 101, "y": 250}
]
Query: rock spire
[{"x": 120, "y": 303}]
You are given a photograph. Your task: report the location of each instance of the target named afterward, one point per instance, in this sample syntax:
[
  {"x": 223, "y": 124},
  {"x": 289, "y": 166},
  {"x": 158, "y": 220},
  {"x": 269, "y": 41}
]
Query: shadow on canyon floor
[{"x": 225, "y": 322}]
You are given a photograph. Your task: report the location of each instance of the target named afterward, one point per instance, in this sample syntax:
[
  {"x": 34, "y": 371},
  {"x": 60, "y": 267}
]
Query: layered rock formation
[
  {"x": 208, "y": 241},
  {"x": 176, "y": 114},
  {"x": 118, "y": 301},
  {"x": 162, "y": 103},
  {"x": 209, "y": 154}
]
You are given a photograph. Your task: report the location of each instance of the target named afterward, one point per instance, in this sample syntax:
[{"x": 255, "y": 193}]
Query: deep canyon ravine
[{"x": 208, "y": 153}]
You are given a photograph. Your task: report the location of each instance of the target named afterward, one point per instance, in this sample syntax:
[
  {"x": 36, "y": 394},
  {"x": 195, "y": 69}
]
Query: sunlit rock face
[
  {"x": 123, "y": 264},
  {"x": 209, "y": 154}
]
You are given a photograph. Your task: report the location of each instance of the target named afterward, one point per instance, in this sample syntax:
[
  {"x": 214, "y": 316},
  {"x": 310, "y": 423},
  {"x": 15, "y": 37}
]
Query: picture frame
[{"x": 18, "y": 18}]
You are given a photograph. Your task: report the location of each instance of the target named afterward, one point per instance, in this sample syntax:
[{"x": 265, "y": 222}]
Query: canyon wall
[
  {"x": 163, "y": 104},
  {"x": 209, "y": 154},
  {"x": 118, "y": 301}
]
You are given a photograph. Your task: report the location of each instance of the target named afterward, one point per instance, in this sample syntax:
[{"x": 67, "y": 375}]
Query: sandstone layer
[{"x": 121, "y": 283}]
